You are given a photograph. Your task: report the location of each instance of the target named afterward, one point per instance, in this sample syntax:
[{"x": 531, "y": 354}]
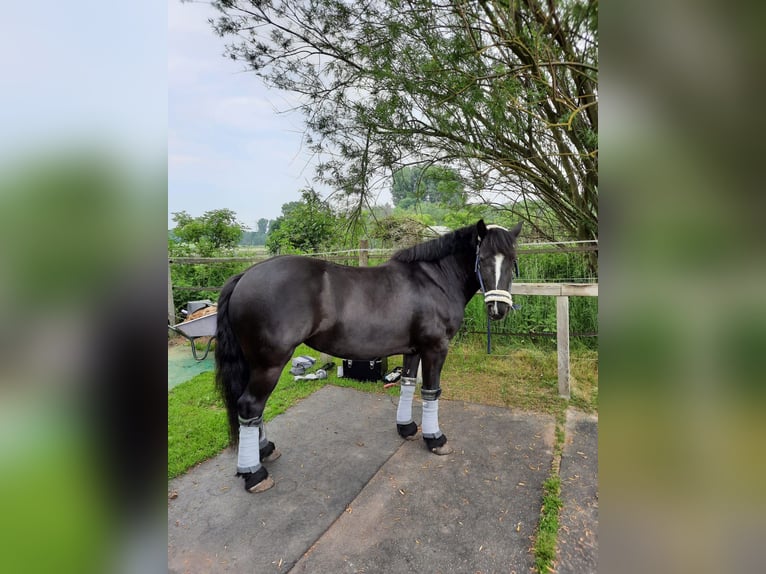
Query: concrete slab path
[
  {"x": 578, "y": 521},
  {"x": 351, "y": 496}
]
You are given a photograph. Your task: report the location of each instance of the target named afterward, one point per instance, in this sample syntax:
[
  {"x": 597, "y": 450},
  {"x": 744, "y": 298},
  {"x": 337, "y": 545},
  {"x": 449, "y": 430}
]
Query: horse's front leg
[
  {"x": 407, "y": 427},
  {"x": 433, "y": 361}
]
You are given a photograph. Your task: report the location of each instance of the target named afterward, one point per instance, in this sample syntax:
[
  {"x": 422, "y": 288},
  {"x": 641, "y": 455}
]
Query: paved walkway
[
  {"x": 351, "y": 496},
  {"x": 578, "y": 522}
]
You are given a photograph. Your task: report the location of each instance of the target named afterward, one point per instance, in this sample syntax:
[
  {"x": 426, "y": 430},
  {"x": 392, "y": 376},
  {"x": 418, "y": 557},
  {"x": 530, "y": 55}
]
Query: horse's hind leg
[
  {"x": 407, "y": 427},
  {"x": 254, "y": 446}
]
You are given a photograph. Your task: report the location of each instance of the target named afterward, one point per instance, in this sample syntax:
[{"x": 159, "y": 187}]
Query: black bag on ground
[{"x": 365, "y": 370}]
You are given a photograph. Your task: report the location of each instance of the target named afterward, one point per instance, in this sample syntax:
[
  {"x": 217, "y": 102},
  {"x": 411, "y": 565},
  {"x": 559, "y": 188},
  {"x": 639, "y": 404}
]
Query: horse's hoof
[
  {"x": 408, "y": 431},
  {"x": 257, "y": 481},
  {"x": 269, "y": 453},
  {"x": 275, "y": 454},
  {"x": 438, "y": 445},
  {"x": 265, "y": 484}
]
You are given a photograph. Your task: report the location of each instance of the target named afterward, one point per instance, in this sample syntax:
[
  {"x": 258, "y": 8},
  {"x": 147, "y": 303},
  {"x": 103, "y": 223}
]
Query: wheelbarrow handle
[
  {"x": 193, "y": 346},
  {"x": 207, "y": 349}
]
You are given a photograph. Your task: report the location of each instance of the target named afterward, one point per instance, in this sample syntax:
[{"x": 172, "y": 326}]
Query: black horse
[{"x": 412, "y": 305}]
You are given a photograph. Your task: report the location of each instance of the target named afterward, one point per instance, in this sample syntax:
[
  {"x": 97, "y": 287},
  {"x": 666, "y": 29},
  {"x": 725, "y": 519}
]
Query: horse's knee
[{"x": 407, "y": 431}]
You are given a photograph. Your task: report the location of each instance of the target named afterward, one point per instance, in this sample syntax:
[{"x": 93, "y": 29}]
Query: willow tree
[{"x": 505, "y": 91}]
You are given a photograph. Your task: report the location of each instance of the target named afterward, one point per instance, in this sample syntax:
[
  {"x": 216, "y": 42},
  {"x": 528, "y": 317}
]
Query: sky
[
  {"x": 151, "y": 85},
  {"x": 68, "y": 79},
  {"x": 228, "y": 147}
]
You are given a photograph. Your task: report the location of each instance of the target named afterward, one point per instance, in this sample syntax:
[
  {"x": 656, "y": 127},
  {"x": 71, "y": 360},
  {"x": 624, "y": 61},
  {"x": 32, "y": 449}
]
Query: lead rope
[
  {"x": 489, "y": 334},
  {"x": 483, "y": 292}
]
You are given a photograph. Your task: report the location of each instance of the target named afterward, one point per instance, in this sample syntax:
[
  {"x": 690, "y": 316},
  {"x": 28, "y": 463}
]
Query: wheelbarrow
[{"x": 196, "y": 328}]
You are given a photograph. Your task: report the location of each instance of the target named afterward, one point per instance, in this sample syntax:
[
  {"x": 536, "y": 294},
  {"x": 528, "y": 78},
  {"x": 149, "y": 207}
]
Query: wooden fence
[{"x": 562, "y": 292}]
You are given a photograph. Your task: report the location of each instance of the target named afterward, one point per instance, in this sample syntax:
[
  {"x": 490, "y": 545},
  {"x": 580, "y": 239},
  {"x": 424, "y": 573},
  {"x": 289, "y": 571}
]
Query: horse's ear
[
  {"x": 482, "y": 228},
  {"x": 516, "y": 230}
]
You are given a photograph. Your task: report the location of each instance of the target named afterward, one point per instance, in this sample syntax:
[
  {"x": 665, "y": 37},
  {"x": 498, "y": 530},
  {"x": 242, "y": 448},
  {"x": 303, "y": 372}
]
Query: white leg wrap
[
  {"x": 263, "y": 441},
  {"x": 248, "y": 456},
  {"x": 404, "y": 410},
  {"x": 431, "y": 419}
]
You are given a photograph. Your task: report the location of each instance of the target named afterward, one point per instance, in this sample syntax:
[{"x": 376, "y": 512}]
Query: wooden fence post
[
  {"x": 171, "y": 306},
  {"x": 363, "y": 252},
  {"x": 562, "y": 343}
]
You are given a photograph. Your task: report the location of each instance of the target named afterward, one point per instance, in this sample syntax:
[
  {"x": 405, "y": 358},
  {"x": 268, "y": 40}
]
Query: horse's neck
[{"x": 458, "y": 275}]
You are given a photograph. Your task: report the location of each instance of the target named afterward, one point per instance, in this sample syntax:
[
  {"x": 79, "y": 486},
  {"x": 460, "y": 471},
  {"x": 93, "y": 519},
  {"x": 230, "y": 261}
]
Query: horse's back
[{"x": 275, "y": 286}]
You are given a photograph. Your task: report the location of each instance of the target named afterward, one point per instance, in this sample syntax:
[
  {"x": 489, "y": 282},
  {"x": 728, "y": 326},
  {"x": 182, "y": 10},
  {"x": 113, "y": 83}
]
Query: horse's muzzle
[
  {"x": 498, "y": 310},
  {"x": 498, "y": 303}
]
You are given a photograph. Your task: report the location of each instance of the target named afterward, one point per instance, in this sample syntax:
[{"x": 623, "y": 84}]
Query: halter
[{"x": 493, "y": 295}]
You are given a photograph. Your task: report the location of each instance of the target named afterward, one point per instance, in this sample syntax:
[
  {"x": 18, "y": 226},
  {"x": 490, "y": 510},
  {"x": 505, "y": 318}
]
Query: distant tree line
[
  {"x": 422, "y": 197},
  {"x": 257, "y": 237}
]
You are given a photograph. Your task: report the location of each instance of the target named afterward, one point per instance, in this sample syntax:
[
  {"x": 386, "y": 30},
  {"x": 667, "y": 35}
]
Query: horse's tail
[{"x": 231, "y": 367}]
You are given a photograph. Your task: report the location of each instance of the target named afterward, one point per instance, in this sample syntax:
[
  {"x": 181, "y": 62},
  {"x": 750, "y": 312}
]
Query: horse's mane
[{"x": 458, "y": 240}]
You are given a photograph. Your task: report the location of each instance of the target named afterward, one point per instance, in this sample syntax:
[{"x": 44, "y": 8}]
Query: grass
[
  {"x": 548, "y": 528},
  {"x": 546, "y": 536},
  {"x": 523, "y": 377},
  {"x": 196, "y": 424}
]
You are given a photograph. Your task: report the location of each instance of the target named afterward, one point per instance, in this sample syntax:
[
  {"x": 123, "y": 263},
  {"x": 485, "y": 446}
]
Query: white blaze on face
[
  {"x": 497, "y": 294},
  {"x": 499, "y": 257}
]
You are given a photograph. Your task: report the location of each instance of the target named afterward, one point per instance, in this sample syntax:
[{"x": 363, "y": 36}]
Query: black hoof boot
[
  {"x": 438, "y": 445},
  {"x": 269, "y": 453},
  {"x": 407, "y": 431},
  {"x": 257, "y": 481}
]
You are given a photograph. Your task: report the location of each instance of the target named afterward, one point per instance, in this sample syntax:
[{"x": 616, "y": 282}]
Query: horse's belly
[{"x": 362, "y": 339}]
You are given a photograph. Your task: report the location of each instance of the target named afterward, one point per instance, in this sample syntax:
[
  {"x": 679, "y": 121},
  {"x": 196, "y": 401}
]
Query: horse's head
[{"x": 495, "y": 264}]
